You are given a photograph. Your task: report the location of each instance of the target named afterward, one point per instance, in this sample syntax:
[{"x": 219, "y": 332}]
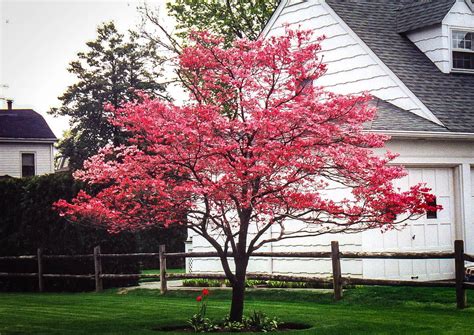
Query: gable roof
[
  {"x": 448, "y": 96},
  {"x": 422, "y": 13},
  {"x": 24, "y": 124}
]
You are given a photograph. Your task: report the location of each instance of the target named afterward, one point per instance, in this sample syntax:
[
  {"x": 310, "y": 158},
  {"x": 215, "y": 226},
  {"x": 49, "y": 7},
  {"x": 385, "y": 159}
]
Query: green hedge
[{"x": 27, "y": 222}]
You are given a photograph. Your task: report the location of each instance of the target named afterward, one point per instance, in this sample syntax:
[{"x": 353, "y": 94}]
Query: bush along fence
[{"x": 337, "y": 282}]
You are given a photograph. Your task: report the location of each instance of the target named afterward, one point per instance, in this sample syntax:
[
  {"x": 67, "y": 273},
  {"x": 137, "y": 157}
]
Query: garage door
[{"x": 434, "y": 232}]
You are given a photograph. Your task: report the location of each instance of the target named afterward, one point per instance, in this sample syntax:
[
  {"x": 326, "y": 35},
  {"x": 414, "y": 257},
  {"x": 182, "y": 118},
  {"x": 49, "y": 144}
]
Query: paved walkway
[{"x": 178, "y": 285}]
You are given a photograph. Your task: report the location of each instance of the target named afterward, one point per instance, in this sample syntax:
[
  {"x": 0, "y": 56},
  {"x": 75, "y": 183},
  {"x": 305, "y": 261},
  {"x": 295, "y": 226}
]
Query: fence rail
[{"x": 336, "y": 282}]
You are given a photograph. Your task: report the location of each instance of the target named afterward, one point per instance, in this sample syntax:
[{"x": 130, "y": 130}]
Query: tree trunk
[{"x": 238, "y": 293}]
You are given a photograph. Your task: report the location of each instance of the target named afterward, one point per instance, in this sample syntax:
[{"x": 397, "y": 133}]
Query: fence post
[
  {"x": 336, "y": 270},
  {"x": 98, "y": 269},
  {"x": 39, "y": 256},
  {"x": 163, "y": 286},
  {"x": 461, "y": 297}
]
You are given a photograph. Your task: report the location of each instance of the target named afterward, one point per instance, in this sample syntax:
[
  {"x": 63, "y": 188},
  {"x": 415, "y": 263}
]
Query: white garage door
[{"x": 431, "y": 232}]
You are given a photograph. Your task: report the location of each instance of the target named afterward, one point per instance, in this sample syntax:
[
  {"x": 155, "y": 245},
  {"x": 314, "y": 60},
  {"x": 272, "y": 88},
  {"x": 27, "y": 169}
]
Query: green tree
[
  {"x": 228, "y": 18},
  {"x": 109, "y": 72}
]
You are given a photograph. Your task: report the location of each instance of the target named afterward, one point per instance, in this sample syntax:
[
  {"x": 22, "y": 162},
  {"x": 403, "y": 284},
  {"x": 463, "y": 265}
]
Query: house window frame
[
  {"x": 34, "y": 160},
  {"x": 452, "y": 29}
]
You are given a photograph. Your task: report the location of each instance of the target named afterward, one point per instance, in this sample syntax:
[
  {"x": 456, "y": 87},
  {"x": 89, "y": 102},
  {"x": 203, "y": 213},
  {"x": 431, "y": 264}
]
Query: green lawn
[
  {"x": 374, "y": 310},
  {"x": 157, "y": 272}
]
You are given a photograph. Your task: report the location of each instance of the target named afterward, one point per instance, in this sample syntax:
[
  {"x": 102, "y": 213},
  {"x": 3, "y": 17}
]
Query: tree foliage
[
  {"x": 109, "y": 72},
  {"x": 253, "y": 158},
  {"x": 230, "y": 19}
]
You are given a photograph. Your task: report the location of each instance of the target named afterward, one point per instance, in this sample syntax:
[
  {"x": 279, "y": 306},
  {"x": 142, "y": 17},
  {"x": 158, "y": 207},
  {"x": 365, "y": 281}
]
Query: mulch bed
[{"x": 186, "y": 329}]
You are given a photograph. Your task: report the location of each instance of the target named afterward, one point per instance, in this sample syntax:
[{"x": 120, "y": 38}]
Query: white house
[
  {"x": 416, "y": 57},
  {"x": 26, "y": 143}
]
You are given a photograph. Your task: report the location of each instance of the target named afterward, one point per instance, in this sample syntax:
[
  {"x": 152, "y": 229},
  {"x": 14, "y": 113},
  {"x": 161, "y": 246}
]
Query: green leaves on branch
[
  {"x": 110, "y": 71},
  {"x": 230, "y": 19}
]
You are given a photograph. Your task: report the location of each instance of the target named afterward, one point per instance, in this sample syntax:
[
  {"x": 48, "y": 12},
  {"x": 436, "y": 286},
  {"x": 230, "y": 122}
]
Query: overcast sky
[{"x": 38, "y": 40}]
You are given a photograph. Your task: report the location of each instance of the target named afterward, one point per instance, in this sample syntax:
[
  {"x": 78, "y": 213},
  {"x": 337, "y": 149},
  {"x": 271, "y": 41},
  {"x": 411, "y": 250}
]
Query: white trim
[
  {"x": 273, "y": 18},
  {"x": 451, "y": 49},
  {"x": 28, "y": 140},
  {"x": 51, "y": 158},
  {"x": 424, "y": 134},
  {"x": 427, "y": 114},
  {"x": 290, "y": 3},
  {"x": 464, "y": 206}
]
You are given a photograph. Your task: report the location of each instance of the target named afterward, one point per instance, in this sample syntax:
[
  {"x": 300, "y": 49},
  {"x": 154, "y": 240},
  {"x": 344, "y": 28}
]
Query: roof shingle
[
  {"x": 390, "y": 117},
  {"x": 25, "y": 124},
  {"x": 422, "y": 13}
]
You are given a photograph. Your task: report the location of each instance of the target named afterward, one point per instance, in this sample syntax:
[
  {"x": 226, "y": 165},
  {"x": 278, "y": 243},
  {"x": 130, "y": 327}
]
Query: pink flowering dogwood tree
[{"x": 257, "y": 146}]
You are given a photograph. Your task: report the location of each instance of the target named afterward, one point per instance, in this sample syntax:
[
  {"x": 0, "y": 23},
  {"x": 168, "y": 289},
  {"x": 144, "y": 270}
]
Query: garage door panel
[
  {"x": 418, "y": 236},
  {"x": 432, "y": 266},
  {"x": 391, "y": 268},
  {"x": 404, "y": 238},
  {"x": 419, "y": 267},
  {"x": 428, "y": 177},
  {"x": 390, "y": 239},
  {"x": 443, "y": 184},
  {"x": 406, "y": 268},
  {"x": 431, "y": 236},
  {"x": 402, "y": 184},
  {"x": 446, "y": 266},
  {"x": 445, "y": 213},
  {"x": 445, "y": 236}
]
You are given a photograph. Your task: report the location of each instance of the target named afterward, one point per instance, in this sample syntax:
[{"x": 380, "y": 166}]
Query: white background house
[
  {"x": 417, "y": 59},
  {"x": 26, "y": 143}
]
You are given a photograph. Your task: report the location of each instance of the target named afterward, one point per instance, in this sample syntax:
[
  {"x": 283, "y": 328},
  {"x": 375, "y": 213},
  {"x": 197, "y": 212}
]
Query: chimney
[{"x": 10, "y": 104}]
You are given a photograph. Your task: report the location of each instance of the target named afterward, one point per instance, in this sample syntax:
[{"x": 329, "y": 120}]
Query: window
[
  {"x": 432, "y": 214},
  {"x": 463, "y": 50},
  {"x": 27, "y": 165}
]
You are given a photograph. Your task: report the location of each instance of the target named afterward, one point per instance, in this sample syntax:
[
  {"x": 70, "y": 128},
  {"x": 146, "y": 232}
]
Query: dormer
[{"x": 443, "y": 30}]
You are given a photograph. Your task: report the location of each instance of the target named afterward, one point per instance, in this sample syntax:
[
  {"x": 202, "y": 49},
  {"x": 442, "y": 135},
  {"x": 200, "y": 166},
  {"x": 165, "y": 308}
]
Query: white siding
[
  {"x": 351, "y": 68},
  {"x": 10, "y": 158},
  {"x": 435, "y": 44},
  {"x": 460, "y": 16}
]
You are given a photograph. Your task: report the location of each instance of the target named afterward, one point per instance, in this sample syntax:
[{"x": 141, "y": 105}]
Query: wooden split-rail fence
[{"x": 337, "y": 282}]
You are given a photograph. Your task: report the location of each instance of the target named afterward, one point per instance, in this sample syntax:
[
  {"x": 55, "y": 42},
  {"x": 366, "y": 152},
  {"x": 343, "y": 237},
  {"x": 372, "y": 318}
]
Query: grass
[
  {"x": 156, "y": 272},
  {"x": 364, "y": 310}
]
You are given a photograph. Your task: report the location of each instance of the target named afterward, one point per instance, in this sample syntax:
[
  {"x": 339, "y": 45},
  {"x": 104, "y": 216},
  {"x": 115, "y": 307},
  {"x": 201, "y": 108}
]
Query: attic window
[{"x": 463, "y": 50}]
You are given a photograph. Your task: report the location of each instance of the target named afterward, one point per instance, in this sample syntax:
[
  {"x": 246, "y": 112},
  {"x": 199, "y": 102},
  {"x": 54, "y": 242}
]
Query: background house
[
  {"x": 417, "y": 59},
  {"x": 26, "y": 143}
]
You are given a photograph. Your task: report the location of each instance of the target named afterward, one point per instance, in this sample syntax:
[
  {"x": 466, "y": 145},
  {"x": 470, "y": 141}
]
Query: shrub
[
  {"x": 253, "y": 283},
  {"x": 27, "y": 222}
]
